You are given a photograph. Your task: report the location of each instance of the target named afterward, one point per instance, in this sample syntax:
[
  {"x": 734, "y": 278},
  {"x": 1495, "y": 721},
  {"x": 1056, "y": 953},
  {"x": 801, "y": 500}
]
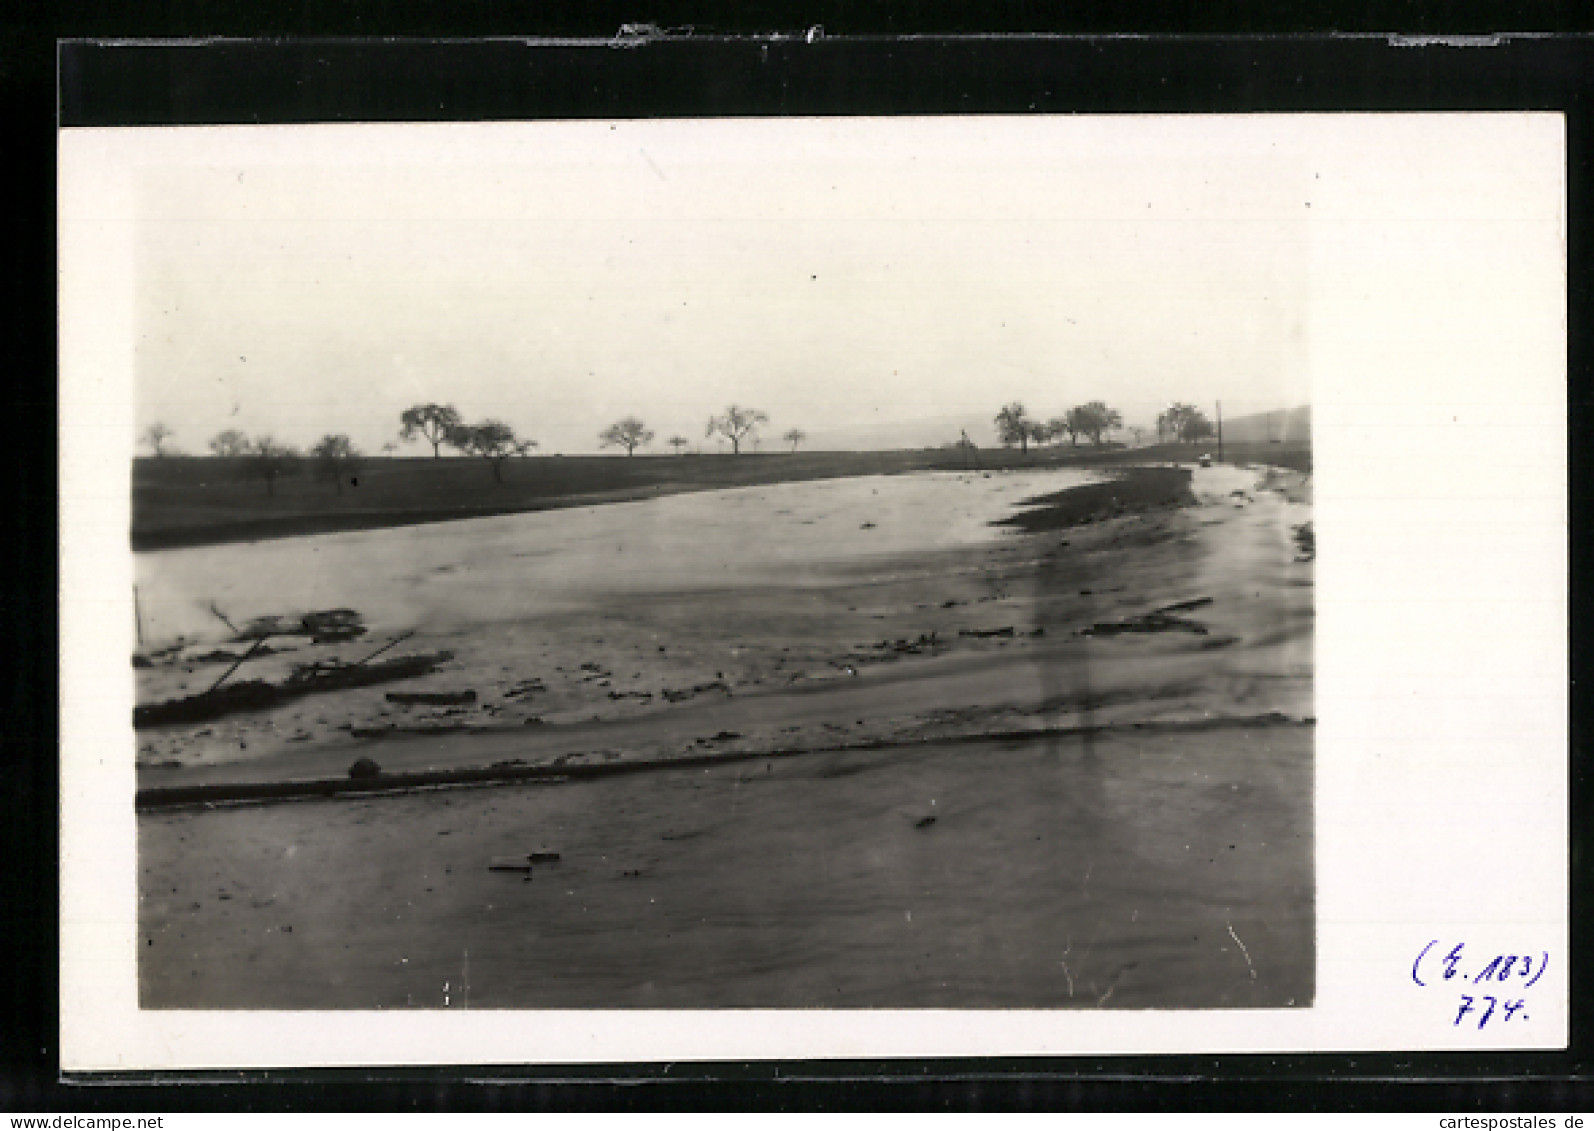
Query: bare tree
[
  {"x": 435, "y": 422},
  {"x": 794, "y": 437},
  {"x": 389, "y": 448},
  {"x": 629, "y": 434},
  {"x": 335, "y": 457},
  {"x": 156, "y": 436},
  {"x": 270, "y": 461},
  {"x": 736, "y": 425},
  {"x": 493, "y": 440},
  {"x": 679, "y": 443},
  {"x": 230, "y": 444},
  {"x": 1013, "y": 426}
]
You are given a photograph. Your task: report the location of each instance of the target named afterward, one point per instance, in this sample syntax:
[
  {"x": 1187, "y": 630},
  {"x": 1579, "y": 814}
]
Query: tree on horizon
[
  {"x": 794, "y": 436},
  {"x": 492, "y": 440},
  {"x": 437, "y": 423},
  {"x": 629, "y": 434},
  {"x": 230, "y": 444},
  {"x": 678, "y": 443},
  {"x": 736, "y": 425},
  {"x": 335, "y": 457},
  {"x": 1014, "y": 426},
  {"x": 1096, "y": 419},
  {"x": 156, "y": 436},
  {"x": 1185, "y": 422}
]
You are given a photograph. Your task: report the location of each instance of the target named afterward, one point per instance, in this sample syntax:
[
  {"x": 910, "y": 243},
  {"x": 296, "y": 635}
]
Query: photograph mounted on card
[{"x": 812, "y": 587}]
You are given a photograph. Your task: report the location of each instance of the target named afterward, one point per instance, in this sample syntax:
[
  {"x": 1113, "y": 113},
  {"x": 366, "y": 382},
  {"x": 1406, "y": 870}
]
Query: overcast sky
[{"x": 869, "y": 281}]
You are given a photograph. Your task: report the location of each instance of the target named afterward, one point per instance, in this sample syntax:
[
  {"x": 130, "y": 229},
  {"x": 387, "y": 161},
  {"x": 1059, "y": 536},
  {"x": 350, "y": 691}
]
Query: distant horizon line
[{"x": 776, "y": 446}]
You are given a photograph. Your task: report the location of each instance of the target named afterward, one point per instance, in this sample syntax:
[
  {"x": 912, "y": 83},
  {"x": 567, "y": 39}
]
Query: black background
[{"x": 323, "y": 62}]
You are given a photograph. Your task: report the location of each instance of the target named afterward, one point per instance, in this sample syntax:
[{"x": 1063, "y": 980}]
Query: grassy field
[{"x": 185, "y": 501}]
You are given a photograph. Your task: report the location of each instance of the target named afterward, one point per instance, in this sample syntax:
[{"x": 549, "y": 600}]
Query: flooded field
[
  {"x": 481, "y": 571},
  {"x": 547, "y": 614}
]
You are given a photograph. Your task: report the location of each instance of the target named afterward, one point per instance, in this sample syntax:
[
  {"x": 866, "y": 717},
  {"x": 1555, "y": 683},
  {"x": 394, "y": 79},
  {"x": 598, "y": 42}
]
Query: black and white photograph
[{"x": 773, "y": 565}]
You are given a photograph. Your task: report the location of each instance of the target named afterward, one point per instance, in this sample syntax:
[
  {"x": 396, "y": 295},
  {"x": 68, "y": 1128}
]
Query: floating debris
[
  {"x": 1150, "y": 622},
  {"x": 222, "y": 656},
  {"x": 431, "y": 698},
  {"x": 327, "y": 626},
  {"x": 258, "y": 695},
  {"x": 510, "y": 864},
  {"x": 675, "y": 696},
  {"x": 1186, "y": 606}
]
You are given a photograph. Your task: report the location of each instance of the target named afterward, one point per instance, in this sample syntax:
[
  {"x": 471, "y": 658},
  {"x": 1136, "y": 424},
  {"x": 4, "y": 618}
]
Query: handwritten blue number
[
  {"x": 1484, "y": 1020},
  {"x": 1450, "y": 961}
]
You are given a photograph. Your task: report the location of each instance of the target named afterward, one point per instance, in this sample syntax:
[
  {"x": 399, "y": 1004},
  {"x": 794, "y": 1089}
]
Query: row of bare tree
[
  {"x": 736, "y": 424},
  {"x": 334, "y": 457},
  {"x": 441, "y": 424}
]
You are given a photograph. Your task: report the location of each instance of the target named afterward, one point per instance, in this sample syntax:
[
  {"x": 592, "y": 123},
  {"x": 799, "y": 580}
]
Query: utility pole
[{"x": 1220, "y": 431}]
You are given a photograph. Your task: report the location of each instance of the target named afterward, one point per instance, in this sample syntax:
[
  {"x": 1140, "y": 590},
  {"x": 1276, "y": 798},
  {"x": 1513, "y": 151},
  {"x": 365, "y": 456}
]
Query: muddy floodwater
[
  {"x": 446, "y": 576},
  {"x": 843, "y": 745}
]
